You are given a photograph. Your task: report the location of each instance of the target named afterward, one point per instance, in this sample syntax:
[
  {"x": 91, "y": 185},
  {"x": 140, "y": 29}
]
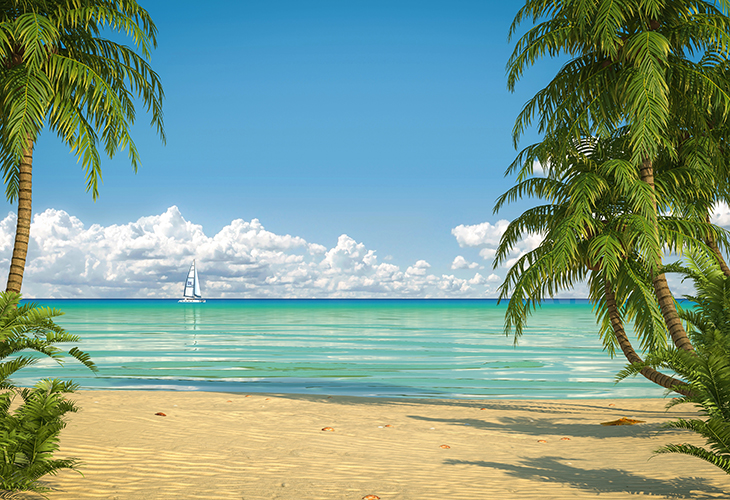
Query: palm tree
[
  {"x": 56, "y": 70},
  {"x": 652, "y": 71},
  {"x": 29, "y": 327},
  {"x": 707, "y": 371},
  {"x": 29, "y": 433},
  {"x": 594, "y": 228}
]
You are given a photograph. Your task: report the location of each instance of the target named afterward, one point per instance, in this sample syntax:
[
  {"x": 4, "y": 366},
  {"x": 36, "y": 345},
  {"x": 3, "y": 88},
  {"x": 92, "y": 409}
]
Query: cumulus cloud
[
  {"x": 418, "y": 269},
  {"x": 721, "y": 215},
  {"x": 477, "y": 235},
  {"x": 486, "y": 236},
  {"x": 450, "y": 283},
  {"x": 487, "y": 253},
  {"x": 478, "y": 279},
  {"x": 461, "y": 263},
  {"x": 528, "y": 243},
  {"x": 538, "y": 170},
  {"x": 150, "y": 258}
]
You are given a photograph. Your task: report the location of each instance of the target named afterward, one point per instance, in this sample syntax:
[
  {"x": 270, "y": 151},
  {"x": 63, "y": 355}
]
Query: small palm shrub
[
  {"x": 29, "y": 433},
  {"x": 707, "y": 370}
]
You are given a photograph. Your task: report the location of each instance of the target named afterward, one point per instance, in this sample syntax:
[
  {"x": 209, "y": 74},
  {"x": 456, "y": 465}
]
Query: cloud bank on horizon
[{"x": 149, "y": 259}]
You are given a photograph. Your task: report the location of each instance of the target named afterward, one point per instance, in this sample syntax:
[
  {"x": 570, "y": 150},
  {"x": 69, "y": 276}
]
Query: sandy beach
[{"x": 259, "y": 446}]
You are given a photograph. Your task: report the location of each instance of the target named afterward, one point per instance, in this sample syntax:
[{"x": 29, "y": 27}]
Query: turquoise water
[{"x": 393, "y": 348}]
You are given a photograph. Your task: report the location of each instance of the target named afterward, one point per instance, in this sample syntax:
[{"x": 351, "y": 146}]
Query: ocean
[{"x": 375, "y": 348}]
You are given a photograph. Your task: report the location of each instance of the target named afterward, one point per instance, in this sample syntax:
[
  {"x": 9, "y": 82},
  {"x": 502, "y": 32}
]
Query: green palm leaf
[
  {"x": 29, "y": 434},
  {"x": 59, "y": 71}
]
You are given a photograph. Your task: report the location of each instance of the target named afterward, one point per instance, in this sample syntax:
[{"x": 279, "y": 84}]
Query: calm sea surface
[{"x": 393, "y": 348}]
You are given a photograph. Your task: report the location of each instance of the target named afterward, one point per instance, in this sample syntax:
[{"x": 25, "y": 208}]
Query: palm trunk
[
  {"x": 716, "y": 251},
  {"x": 718, "y": 255},
  {"x": 623, "y": 341},
  {"x": 661, "y": 288},
  {"x": 22, "y": 232}
]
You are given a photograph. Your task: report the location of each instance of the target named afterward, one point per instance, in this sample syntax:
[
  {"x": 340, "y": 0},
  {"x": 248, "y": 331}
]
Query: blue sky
[{"x": 388, "y": 122}]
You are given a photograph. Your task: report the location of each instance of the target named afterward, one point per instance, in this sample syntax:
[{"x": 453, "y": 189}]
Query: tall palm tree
[
  {"x": 594, "y": 228},
  {"x": 57, "y": 71},
  {"x": 708, "y": 370},
  {"x": 655, "y": 70}
]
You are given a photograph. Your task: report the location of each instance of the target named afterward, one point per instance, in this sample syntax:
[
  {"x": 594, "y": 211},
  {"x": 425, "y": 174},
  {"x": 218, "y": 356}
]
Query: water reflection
[{"x": 191, "y": 319}]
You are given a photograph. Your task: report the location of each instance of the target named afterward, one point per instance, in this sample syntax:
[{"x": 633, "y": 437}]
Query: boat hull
[{"x": 191, "y": 301}]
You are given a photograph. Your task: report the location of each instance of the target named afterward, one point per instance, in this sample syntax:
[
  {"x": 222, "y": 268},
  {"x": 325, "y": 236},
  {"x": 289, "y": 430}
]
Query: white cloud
[
  {"x": 418, "y": 269},
  {"x": 461, "y": 263},
  {"x": 528, "y": 243},
  {"x": 150, "y": 257},
  {"x": 453, "y": 284},
  {"x": 487, "y": 253},
  {"x": 486, "y": 236},
  {"x": 478, "y": 279},
  {"x": 721, "y": 215},
  {"x": 538, "y": 170}
]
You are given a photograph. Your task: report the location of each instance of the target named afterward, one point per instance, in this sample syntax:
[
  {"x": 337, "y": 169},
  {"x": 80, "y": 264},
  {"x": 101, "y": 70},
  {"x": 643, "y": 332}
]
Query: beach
[{"x": 213, "y": 445}]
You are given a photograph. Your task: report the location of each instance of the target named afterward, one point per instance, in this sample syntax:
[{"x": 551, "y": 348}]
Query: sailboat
[{"x": 191, "y": 292}]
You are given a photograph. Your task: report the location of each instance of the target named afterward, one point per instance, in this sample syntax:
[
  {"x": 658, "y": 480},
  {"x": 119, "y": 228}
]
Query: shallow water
[{"x": 394, "y": 348}]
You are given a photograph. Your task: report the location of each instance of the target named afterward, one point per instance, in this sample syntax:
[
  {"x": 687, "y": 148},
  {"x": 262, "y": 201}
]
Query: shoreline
[
  {"x": 227, "y": 445},
  {"x": 425, "y": 399}
]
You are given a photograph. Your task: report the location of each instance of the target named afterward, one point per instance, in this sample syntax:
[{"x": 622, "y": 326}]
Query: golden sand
[{"x": 193, "y": 445}]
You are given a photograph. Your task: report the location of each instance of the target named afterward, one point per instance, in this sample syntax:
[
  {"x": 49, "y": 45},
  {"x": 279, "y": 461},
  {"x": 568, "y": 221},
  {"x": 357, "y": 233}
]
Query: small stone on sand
[
  {"x": 541, "y": 441},
  {"x": 329, "y": 429},
  {"x": 160, "y": 414},
  {"x": 445, "y": 446}
]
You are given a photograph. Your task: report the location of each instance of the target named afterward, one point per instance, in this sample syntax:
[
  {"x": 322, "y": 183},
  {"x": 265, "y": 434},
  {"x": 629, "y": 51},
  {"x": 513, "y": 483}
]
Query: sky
[{"x": 314, "y": 149}]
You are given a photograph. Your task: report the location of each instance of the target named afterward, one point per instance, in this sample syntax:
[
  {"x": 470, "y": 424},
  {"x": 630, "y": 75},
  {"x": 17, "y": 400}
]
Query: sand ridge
[{"x": 265, "y": 446}]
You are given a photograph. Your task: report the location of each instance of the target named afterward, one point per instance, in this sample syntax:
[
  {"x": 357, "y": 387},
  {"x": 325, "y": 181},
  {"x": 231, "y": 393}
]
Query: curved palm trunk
[
  {"x": 623, "y": 341},
  {"x": 22, "y": 232},
  {"x": 718, "y": 255},
  {"x": 716, "y": 251},
  {"x": 661, "y": 288}
]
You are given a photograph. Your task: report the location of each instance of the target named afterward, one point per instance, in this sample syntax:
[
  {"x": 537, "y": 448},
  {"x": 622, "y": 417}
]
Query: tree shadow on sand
[
  {"x": 540, "y": 427},
  {"x": 534, "y": 407},
  {"x": 556, "y": 470}
]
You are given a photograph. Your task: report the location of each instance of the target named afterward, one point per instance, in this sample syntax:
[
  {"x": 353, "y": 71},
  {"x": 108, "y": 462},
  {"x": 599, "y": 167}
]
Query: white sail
[
  {"x": 191, "y": 291},
  {"x": 196, "y": 287}
]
